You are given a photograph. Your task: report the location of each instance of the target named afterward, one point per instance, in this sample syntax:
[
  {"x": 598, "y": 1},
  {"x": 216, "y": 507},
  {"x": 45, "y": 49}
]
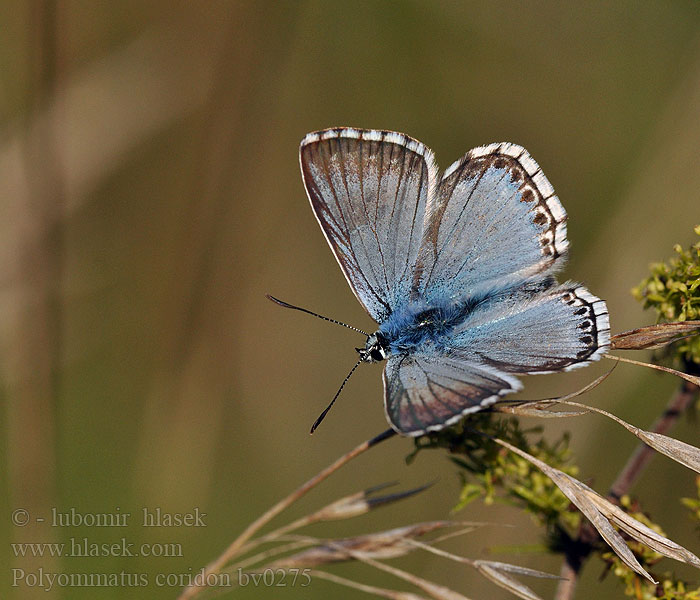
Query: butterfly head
[{"x": 376, "y": 349}]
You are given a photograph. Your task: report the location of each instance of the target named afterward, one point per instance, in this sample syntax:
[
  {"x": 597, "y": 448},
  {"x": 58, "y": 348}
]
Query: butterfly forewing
[
  {"x": 494, "y": 222},
  {"x": 369, "y": 190}
]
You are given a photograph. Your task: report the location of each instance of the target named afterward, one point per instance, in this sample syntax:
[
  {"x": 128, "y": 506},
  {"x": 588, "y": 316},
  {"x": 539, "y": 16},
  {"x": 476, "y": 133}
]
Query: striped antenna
[{"x": 308, "y": 312}]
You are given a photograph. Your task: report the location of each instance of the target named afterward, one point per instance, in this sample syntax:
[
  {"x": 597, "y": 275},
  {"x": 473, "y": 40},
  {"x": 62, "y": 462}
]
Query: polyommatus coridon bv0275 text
[{"x": 457, "y": 269}]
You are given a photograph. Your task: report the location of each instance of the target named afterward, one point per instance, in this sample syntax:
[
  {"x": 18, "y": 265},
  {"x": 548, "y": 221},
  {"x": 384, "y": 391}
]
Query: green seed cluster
[{"x": 672, "y": 290}]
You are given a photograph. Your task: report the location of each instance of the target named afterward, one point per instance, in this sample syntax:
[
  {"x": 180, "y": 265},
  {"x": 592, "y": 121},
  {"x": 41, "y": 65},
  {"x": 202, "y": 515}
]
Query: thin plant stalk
[
  {"x": 215, "y": 566},
  {"x": 628, "y": 475},
  {"x": 275, "y": 535},
  {"x": 326, "y": 513},
  {"x": 567, "y": 583},
  {"x": 370, "y": 589},
  {"x": 272, "y": 552},
  {"x": 690, "y": 378},
  {"x": 681, "y": 400}
]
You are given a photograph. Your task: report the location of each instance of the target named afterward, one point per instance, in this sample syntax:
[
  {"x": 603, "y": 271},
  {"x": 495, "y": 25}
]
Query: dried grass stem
[{"x": 234, "y": 549}]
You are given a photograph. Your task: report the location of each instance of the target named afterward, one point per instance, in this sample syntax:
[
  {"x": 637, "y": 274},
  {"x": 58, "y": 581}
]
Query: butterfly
[{"x": 457, "y": 269}]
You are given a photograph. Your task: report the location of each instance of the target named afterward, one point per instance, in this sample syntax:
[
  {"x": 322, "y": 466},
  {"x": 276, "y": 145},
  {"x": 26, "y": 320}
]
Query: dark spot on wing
[{"x": 516, "y": 175}]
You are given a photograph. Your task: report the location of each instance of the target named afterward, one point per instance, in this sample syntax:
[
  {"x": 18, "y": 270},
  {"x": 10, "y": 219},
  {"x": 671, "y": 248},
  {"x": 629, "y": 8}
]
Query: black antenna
[
  {"x": 342, "y": 385},
  {"x": 308, "y": 312}
]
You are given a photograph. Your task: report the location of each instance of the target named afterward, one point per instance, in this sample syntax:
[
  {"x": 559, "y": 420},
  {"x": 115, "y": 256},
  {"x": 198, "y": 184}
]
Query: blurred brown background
[{"x": 150, "y": 197}]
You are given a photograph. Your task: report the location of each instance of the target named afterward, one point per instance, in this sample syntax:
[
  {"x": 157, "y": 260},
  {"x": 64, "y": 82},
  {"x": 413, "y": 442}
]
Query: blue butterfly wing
[
  {"x": 528, "y": 331},
  {"x": 534, "y": 329},
  {"x": 431, "y": 390},
  {"x": 369, "y": 191},
  {"x": 493, "y": 223}
]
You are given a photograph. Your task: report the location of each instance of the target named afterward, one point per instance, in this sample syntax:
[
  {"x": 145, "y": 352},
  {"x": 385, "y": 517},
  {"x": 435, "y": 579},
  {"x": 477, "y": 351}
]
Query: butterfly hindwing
[
  {"x": 526, "y": 332},
  {"x": 534, "y": 329},
  {"x": 369, "y": 191},
  {"x": 494, "y": 222},
  {"x": 426, "y": 392}
]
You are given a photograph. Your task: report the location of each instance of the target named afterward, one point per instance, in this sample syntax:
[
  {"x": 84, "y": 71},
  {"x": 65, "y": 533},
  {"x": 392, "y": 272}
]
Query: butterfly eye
[{"x": 377, "y": 354}]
